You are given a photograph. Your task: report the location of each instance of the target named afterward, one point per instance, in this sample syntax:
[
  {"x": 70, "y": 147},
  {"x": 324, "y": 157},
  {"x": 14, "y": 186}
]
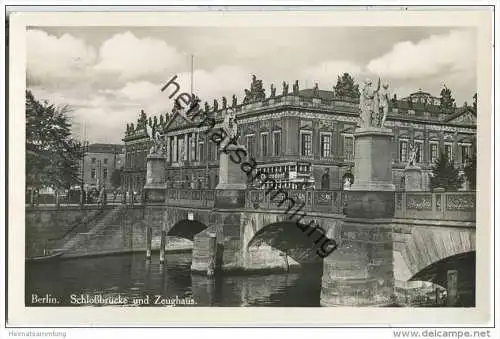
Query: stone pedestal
[
  {"x": 230, "y": 192},
  {"x": 373, "y": 160},
  {"x": 413, "y": 178},
  {"x": 154, "y": 200},
  {"x": 155, "y": 178},
  {"x": 360, "y": 272},
  {"x": 231, "y": 176},
  {"x": 372, "y": 194}
]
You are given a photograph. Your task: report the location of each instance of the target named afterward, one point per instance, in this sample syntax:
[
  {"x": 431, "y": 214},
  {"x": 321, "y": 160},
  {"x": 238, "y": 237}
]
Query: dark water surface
[{"x": 101, "y": 281}]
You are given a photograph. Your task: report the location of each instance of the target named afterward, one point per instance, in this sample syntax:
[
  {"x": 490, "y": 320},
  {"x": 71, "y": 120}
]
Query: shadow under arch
[
  {"x": 465, "y": 265},
  {"x": 304, "y": 243},
  {"x": 186, "y": 229}
]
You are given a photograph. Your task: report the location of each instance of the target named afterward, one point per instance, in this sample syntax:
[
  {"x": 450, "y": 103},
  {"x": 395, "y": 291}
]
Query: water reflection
[{"x": 131, "y": 276}]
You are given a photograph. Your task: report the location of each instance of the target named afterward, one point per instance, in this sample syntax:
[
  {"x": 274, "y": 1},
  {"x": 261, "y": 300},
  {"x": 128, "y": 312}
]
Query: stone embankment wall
[
  {"x": 46, "y": 226},
  {"x": 91, "y": 231}
]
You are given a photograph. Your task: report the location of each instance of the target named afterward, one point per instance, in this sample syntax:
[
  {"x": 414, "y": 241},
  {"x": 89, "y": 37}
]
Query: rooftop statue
[
  {"x": 248, "y": 96},
  {"x": 315, "y": 90},
  {"x": 256, "y": 92},
  {"x": 142, "y": 121},
  {"x": 216, "y": 105},
  {"x": 273, "y": 91},
  {"x": 207, "y": 107},
  {"x": 224, "y": 102},
  {"x": 295, "y": 87},
  {"x": 235, "y": 101},
  {"x": 177, "y": 106},
  {"x": 285, "y": 88}
]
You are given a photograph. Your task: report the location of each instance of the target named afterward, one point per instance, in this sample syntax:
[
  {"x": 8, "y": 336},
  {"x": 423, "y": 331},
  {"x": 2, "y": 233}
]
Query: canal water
[{"x": 129, "y": 279}]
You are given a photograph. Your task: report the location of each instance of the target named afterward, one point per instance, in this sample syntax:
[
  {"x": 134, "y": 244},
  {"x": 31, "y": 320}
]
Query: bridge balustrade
[
  {"x": 460, "y": 206},
  {"x": 190, "y": 198},
  {"x": 317, "y": 201}
]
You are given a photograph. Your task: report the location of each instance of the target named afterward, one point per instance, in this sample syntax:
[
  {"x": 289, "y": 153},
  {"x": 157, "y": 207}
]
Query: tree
[
  {"x": 470, "y": 171},
  {"x": 345, "y": 87},
  {"x": 52, "y": 155},
  {"x": 116, "y": 178},
  {"x": 445, "y": 175},
  {"x": 446, "y": 101}
]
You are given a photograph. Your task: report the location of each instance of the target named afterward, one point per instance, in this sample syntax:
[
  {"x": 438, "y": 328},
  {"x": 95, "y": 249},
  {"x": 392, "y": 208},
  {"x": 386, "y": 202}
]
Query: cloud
[
  {"x": 326, "y": 73},
  {"x": 108, "y": 85},
  {"x": 139, "y": 90},
  {"x": 131, "y": 57},
  {"x": 51, "y": 59},
  {"x": 224, "y": 80},
  {"x": 452, "y": 52}
]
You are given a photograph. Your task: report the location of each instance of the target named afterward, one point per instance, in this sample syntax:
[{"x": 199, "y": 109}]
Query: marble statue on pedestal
[
  {"x": 156, "y": 138},
  {"x": 413, "y": 156},
  {"x": 230, "y": 128},
  {"x": 347, "y": 184},
  {"x": 374, "y": 105},
  {"x": 384, "y": 102}
]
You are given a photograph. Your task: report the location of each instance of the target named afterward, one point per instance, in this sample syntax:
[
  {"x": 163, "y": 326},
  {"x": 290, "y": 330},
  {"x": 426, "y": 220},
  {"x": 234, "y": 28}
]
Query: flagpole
[{"x": 192, "y": 71}]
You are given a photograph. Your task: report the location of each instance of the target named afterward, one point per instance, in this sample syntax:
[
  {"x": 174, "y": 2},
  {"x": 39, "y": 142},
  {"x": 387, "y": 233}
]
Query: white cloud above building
[{"x": 108, "y": 75}]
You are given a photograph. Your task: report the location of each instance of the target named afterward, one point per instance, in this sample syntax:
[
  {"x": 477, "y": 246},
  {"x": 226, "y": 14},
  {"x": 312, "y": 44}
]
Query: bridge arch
[
  {"x": 186, "y": 229},
  {"x": 304, "y": 242},
  {"x": 185, "y": 223},
  {"x": 426, "y": 245}
]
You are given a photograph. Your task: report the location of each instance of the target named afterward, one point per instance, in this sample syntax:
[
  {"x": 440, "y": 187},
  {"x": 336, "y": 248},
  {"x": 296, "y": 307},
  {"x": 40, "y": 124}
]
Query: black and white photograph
[{"x": 253, "y": 165}]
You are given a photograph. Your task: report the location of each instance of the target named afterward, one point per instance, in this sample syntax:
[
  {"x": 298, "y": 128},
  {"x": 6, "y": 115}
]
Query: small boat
[{"x": 48, "y": 257}]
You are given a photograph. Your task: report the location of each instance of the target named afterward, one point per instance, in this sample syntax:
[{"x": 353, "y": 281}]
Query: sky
[{"x": 108, "y": 74}]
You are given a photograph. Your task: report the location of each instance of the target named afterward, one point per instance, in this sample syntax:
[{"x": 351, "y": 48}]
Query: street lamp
[{"x": 85, "y": 148}]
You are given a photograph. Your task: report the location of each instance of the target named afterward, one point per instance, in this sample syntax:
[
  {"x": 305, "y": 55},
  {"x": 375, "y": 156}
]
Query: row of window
[
  {"x": 93, "y": 173},
  {"x": 190, "y": 148},
  {"x": 105, "y": 161},
  {"x": 465, "y": 151},
  {"x": 325, "y": 142},
  {"x": 264, "y": 144},
  {"x": 184, "y": 147}
]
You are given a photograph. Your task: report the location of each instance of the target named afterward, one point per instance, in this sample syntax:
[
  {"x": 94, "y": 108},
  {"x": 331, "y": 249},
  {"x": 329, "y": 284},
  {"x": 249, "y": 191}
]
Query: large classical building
[{"x": 303, "y": 138}]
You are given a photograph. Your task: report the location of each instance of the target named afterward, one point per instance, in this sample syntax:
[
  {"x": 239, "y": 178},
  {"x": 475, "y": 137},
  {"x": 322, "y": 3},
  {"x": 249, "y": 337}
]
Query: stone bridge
[{"x": 428, "y": 235}]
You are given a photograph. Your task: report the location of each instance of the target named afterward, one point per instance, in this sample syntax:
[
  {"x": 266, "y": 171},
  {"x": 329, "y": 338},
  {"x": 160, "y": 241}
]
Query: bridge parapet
[
  {"x": 460, "y": 206},
  {"x": 190, "y": 198},
  {"x": 457, "y": 206},
  {"x": 316, "y": 201}
]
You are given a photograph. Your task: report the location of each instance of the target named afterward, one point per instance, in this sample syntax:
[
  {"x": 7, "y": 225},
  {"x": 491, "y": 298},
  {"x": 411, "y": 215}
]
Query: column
[
  {"x": 174, "y": 149},
  {"x": 315, "y": 139},
  {"x": 427, "y": 148}
]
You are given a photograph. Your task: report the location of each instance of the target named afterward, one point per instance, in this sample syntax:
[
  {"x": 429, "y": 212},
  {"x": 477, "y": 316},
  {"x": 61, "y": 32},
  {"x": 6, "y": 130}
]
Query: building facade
[
  {"x": 99, "y": 163},
  {"x": 303, "y": 138}
]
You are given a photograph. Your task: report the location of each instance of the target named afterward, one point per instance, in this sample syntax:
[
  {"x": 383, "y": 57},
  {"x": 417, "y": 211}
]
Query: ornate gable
[
  {"x": 464, "y": 117},
  {"x": 177, "y": 121}
]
